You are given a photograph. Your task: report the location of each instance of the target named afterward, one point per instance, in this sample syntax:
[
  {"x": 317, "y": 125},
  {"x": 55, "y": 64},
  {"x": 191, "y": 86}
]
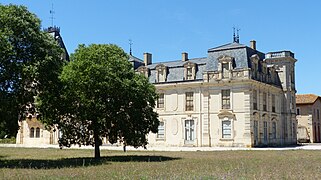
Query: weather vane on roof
[
  {"x": 236, "y": 38},
  {"x": 52, "y": 12},
  {"x": 130, "y": 46}
]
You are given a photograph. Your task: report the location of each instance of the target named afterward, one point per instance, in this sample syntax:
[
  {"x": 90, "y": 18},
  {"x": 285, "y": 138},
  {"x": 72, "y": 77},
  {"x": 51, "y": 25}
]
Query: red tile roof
[{"x": 306, "y": 98}]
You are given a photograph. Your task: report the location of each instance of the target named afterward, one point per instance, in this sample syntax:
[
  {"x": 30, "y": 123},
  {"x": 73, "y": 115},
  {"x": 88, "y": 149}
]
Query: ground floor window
[
  {"x": 32, "y": 132},
  {"x": 161, "y": 130},
  {"x": 256, "y": 132},
  {"x": 37, "y": 132},
  {"x": 265, "y": 132},
  {"x": 189, "y": 130},
  {"x": 226, "y": 129},
  {"x": 274, "y": 130}
]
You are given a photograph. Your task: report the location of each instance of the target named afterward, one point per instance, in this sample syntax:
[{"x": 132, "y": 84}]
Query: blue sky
[{"x": 166, "y": 28}]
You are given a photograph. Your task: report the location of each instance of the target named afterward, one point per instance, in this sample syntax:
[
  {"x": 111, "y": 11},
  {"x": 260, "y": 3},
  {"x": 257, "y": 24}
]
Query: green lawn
[{"x": 25, "y": 163}]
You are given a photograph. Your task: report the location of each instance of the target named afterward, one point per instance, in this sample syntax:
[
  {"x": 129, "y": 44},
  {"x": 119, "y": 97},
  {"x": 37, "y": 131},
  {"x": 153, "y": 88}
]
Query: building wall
[
  {"x": 24, "y": 135},
  {"x": 310, "y": 119},
  {"x": 208, "y": 114}
]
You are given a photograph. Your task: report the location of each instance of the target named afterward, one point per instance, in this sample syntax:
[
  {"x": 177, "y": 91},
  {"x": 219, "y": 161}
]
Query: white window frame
[
  {"x": 226, "y": 100},
  {"x": 189, "y": 131},
  {"x": 159, "y": 99},
  {"x": 227, "y": 130},
  {"x": 161, "y": 128},
  {"x": 189, "y": 103}
]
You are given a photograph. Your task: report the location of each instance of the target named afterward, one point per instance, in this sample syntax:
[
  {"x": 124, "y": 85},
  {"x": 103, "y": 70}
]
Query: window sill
[
  {"x": 160, "y": 139},
  {"x": 226, "y": 139}
]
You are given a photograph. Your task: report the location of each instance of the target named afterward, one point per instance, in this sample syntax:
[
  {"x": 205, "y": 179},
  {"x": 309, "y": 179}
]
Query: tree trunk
[{"x": 97, "y": 144}]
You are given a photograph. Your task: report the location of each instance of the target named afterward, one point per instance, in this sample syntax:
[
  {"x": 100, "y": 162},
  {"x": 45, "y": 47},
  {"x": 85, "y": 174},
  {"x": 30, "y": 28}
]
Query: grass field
[{"x": 25, "y": 163}]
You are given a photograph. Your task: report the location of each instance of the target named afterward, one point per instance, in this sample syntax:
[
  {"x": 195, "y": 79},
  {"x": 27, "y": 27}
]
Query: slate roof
[
  {"x": 176, "y": 69},
  {"x": 306, "y": 98},
  {"x": 136, "y": 62},
  {"x": 240, "y": 52}
]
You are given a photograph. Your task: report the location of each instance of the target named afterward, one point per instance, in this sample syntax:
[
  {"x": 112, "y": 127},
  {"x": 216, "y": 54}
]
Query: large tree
[
  {"x": 29, "y": 58},
  {"x": 100, "y": 96}
]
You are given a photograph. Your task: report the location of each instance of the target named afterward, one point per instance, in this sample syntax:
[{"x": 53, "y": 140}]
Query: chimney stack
[
  {"x": 147, "y": 59},
  {"x": 253, "y": 44},
  {"x": 184, "y": 56}
]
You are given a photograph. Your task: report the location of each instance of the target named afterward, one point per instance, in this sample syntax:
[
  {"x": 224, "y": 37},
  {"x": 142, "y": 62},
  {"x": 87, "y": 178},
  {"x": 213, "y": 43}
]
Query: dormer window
[
  {"x": 225, "y": 70},
  {"x": 255, "y": 65},
  {"x": 225, "y": 66},
  {"x": 161, "y": 73},
  {"x": 143, "y": 70},
  {"x": 189, "y": 71}
]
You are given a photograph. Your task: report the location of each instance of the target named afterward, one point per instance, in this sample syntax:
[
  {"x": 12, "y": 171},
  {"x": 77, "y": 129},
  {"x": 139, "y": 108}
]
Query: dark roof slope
[{"x": 239, "y": 52}]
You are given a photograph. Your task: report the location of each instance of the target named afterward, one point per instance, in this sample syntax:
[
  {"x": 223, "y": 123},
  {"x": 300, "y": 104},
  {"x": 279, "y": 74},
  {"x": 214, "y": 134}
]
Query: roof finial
[
  {"x": 52, "y": 12},
  {"x": 234, "y": 38},
  {"x": 130, "y": 46},
  {"x": 237, "y": 35}
]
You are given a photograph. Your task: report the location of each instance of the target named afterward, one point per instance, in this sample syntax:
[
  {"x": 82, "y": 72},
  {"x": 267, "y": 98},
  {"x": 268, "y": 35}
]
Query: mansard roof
[
  {"x": 239, "y": 52},
  {"x": 176, "y": 69}
]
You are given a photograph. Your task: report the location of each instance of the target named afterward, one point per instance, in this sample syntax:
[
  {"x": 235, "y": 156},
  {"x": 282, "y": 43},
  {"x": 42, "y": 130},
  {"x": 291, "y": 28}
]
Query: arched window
[
  {"x": 32, "y": 132},
  {"x": 37, "y": 132}
]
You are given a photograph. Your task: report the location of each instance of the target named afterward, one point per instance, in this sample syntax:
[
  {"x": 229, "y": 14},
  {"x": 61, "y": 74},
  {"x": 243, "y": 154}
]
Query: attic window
[
  {"x": 254, "y": 65},
  {"x": 143, "y": 70},
  {"x": 225, "y": 65},
  {"x": 161, "y": 72},
  {"x": 189, "y": 71}
]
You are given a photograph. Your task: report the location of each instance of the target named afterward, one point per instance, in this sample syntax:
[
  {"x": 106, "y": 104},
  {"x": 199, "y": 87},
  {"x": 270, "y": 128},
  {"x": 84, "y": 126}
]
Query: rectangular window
[
  {"x": 273, "y": 103},
  {"x": 226, "y": 129},
  {"x": 256, "y": 132},
  {"x": 254, "y": 70},
  {"x": 226, "y": 99},
  {"x": 274, "y": 130},
  {"x": 297, "y": 111},
  {"x": 189, "y": 101},
  {"x": 264, "y": 101},
  {"x": 265, "y": 132},
  {"x": 161, "y": 131},
  {"x": 225, "y": 70},
  {"x": 189, "y": 75},
  {"x": 318, "y": 114},
  {"x": 254, "y": 99},
  {"x": 160, "y": 101},
  {"x": 189, "y": 130}
]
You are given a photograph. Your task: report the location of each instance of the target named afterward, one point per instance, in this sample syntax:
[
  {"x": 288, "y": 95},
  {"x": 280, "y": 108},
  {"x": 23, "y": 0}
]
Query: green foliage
[
  {"x": 101, "y": 96},
  {"x": 26, "y": 54},
  {"x": 8, "y": 141}
]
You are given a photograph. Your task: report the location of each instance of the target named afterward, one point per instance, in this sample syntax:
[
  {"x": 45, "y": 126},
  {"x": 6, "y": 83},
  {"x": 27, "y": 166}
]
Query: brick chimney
[
  {"x": 147, "y": 59},
  {"x": 184, "y": 56},
  {"x": 253, "y": 44}
]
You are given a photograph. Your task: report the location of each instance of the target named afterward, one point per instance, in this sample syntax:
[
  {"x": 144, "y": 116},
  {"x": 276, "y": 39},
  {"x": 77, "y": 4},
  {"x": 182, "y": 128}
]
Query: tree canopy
[
  {"x": 101, "y": 96},
  {"x": 29, "y": 59}
]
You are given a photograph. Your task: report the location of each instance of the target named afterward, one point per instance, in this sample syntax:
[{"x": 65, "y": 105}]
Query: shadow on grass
[{"x": 77, "y": 162}]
